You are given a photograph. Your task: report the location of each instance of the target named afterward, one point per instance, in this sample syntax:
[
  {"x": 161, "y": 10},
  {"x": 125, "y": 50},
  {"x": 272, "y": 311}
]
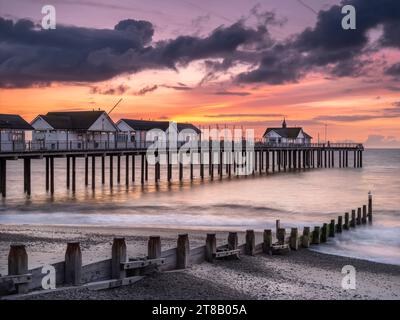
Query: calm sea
[{"x": 301, "y": 198}]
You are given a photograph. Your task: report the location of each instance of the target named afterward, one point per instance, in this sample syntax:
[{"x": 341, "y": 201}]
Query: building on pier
[
  {"x": 136, "y": 130},
  {"x": 74, "y": 130},
  {"x": 13, "y": 129},
  {"x": 286, "y": 135}
]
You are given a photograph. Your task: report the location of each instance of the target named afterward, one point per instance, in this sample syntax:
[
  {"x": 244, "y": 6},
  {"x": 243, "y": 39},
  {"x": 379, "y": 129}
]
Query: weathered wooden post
[
  {"x": 232, "y": 241},
  {"x": 73, "y": 264},
  {"x": 305, "y": 239},
  {"x": 370, "y": 207},
  {"x": 358, "y": 216},
  {"x": 211, "y": 247},
  {"x": 339, "y": 226},
  {"x": 324, "y": 233},
  {"x": 154, "y": 247},
  {"x": 346, "y": 225},
  {"x": 316, "y": 236},
  {"x": 294, "y": 239},
  {"x": 278, "y": 226},
  {"x": 364, "y": 215},
  {"x": 118, "y": 256},
  {"x": 280, "y": 236},
  {"x": 182, "y": 251},
  {"x": 353, "y": 219},
  {"x": 267, "y": 243},
  {"x": 18, "y": 265},
  {"x": 250, "y": 247},
  {"x": 332, "y": 229}
]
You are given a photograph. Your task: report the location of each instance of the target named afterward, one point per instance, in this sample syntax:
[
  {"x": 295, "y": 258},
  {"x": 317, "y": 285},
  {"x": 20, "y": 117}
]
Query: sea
[{"x": 297, "y": 198}]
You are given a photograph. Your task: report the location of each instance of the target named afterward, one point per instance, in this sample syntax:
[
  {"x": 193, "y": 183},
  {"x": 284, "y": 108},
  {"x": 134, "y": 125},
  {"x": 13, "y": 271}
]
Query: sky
[{"x": 212, "y": 63}]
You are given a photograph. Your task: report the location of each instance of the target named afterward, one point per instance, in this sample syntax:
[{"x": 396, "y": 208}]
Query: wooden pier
[{"x": 265, "y": 159}]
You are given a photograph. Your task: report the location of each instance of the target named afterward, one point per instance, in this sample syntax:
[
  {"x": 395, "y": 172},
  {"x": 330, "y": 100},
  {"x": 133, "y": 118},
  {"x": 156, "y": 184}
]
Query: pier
[{"x": 265, "y": 158}]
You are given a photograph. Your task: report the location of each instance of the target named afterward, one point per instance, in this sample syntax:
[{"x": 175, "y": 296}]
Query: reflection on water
[{"x": 303, "y": 198}]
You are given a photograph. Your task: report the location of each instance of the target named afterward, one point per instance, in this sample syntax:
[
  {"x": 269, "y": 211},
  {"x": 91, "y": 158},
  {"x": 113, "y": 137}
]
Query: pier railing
[{"x": 50, "y": 145}]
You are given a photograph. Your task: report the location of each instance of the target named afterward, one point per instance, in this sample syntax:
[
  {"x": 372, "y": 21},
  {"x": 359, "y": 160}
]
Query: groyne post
[
  {"x": 250, "y": 243},
  {"x": 267, "y": 243},
  {"x": 211, "y": 247},
  {"x": 370, "y": 207},
  {"x": 294, "y": 239},
  {"x": 353, "y": 219},
  {"x": 182, "y": 251},
  {"x": 339, "y": 226},
  {"x": 346, "y": 225},
  {"x": 358, "y": 216},
  {"x": 332, "y": 229},
  {"x": 324, "y": 233},
  {"x": 154, "y": 247},
  {"x": 280, "y": 236},
  {"x": 118, "y": 256},
  {"x": 73, "y": 263},
  {"x": 305, "y": 239},
  {"x": 232, "y": 241},
  {"x": 364, "y": 214},
  {"x": 316, "y": 236},
  {"x": 18, "y": 265}
]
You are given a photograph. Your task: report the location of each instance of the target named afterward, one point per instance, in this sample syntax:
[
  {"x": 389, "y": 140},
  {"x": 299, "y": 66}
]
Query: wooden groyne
[
  {"x": 265, "y": 159},
  {"x": 122, "y": 270}
]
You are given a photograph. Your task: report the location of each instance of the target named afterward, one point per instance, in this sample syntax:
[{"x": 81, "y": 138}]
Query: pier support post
[
  {"x": 118, "y": 169},
  {"x": 47, "y": 174},
  {"x": 93, "y": 173},
  {"x": 324, "y": 233},
  {"x": 154, "y": 247},
  {"x": 103, "y": 170},
  {"x": 86, "y": 170},
  {"x": 332, "y": 229},
  {"x": 316, "y": 236},
  {"x": 358, "y": 216},
  {"x": 52, "y": 175},
  {"x": 142, "y": 169},
  {"x": 18, "y": 265},
  {"x": 364, "y": 215},
  {"x": 370, "y": 207},
  {"x": 305, "y": 239},
  {"x": 111, "y": 171},
  {"x": 73, "y": 174},
  {"x": 73, "y": 264},
  {"x": 346, "y": 225},
  {"x": 353, "y": 219},
  {"x": 232, "y": 241},
  {"x": 133, "y": 167},
  {"x": 3, "y": 177},
  {"x": 250, "y": 247},
  {"x": 127, "y": 170},
  {"x": 68, "y": 171},
  {"x": 339, "y": 226},
  {"x": 27, "y": 176},
  {"x": 118, "y": 256},
  {"x": 211, "y": 247},
  {"x": 280, "y": 236},
  {"x": 267, "y": 243},
  {"x": 182, "y": 251},
  {"x": 294, "y": 239}
]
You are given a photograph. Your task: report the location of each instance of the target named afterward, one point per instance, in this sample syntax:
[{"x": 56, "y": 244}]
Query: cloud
[
  {"x": 32, "y": 56},
  {"x": 380, "y": 141},
  {"x": 244, "y": 115},
  {"x": 146, "y": 90},
  {"x": 232, "y": 93},
  {"x": 118, "y": 90}
]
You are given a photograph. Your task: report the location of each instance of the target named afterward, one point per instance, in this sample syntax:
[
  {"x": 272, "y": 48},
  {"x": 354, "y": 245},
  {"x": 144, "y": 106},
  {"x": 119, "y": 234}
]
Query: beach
[{"x": 302, "y": 274}]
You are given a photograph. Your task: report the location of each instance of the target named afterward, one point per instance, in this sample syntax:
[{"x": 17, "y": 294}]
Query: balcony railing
[{"x": 37, "y": 146}]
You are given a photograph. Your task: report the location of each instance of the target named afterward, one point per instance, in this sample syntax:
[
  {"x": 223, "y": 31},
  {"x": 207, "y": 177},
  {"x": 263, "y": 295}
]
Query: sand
[{"x": 301, "y": 275}]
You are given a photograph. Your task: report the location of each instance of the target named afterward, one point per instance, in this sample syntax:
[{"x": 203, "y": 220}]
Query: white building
[
  {"x": 74, "y": 130},
  {"x": 12, "y": 132},
  {"x": 285, "y": 135},
  {"x": 136, "y": 130}
]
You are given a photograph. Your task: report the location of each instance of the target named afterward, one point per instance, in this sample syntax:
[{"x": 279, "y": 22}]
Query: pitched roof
[
  {"x": 289, "y": 133},
  {"x": 146, "y": 125},
  {"x": 77, "y": 120},
  {"x": 13, "y": 121}
]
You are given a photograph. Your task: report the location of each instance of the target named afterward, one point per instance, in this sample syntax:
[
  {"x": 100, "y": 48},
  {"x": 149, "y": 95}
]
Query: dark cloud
[
  {"x": 394, "y": 70},
  {"x": 118, "y": 90},
  {"x": 31, "y": 56},
  {"x": 328, "y": 47},
  {"x": 146, "y": 90}
]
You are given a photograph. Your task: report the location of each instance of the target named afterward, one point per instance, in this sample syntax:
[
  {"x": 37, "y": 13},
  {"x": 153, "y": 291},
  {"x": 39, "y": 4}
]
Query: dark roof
[
  {"x": 78, "y": 120},
  {"x": 290, "y": 133},
  {"x": 146, "y": 125},
  {"x": 13, "y": 121}
]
